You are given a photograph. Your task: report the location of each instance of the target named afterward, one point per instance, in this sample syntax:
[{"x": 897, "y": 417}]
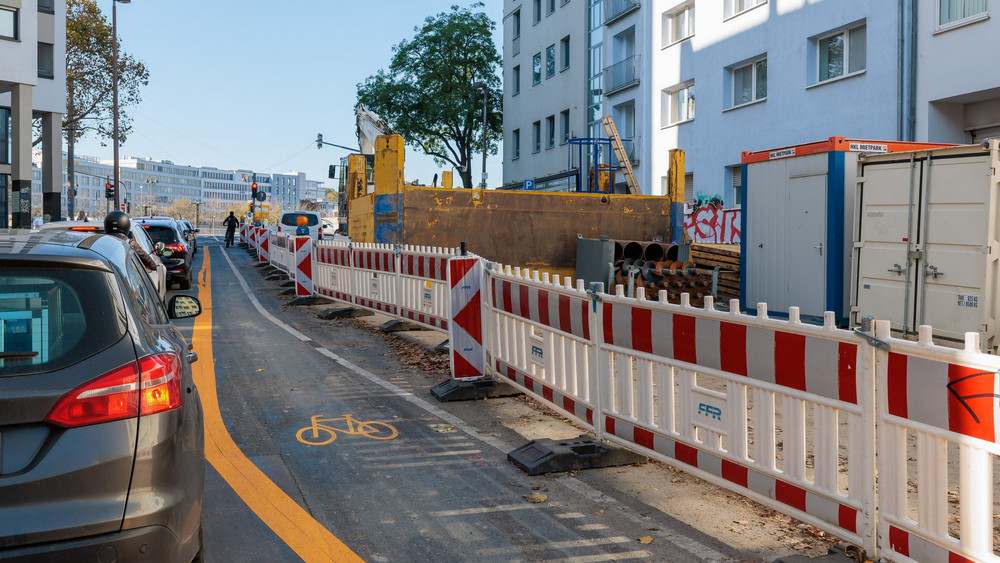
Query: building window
[
  {"x": 551, "y": 7},
  {"x": 536, "y": 136},
  {"x": 516, "y": 79},
  {"x": 515, "y": 141},
  {"x": 564, "y": 53},
  {"x": 46, "y": 59},
  {"x": 842, "y": 53},
  {"x": 960, "y": 11},
  {"x": 8, "y": 24},
  {"x": 550, "y": 130},
  {"x": 735, "y": 176},
  {"x": 749, "y": 82},
  {"x": 46, "y": 6},
  {"x": 678, "y": 25},
  {"x": 564, "y": 121},
  {"x": 537, "y": 11},
  {"x": 736, "y": 7},
  {"x": 678, "y": 104},
  {"x": 517, "y": 24},
  {"x": 536, "y": 68},
  {"x": 550, "y": 61}
]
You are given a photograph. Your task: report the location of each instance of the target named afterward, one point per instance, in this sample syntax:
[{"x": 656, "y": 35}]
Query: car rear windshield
[
  {"x": 160, "y": 233},
  {"x": 51, "y": 318},
  {"x": 290, "y": 219}
]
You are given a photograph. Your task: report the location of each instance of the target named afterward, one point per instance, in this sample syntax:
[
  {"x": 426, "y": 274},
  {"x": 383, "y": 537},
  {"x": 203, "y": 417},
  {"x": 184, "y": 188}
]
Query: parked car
[
  {"x": 102, "y": 426},
  {"x": 158, "y": 276},
  {"x": 288, "y": 224},
  {"x": 190, "y": 234},
  {"x": 176, "y": 255}
]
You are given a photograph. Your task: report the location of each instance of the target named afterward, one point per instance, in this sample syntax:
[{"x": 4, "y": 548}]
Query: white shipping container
[{"x": 927, "y": 241}]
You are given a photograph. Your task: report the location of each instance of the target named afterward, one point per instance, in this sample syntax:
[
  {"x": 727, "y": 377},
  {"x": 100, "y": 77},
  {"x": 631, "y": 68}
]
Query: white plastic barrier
[
  {"x": 282, "y": 255},
  {"x": 331, "y": 265},
  {"x": 374, "y": 268},
  {"x": 423, "y": 286},
  {"x": 939, "y": 421}
]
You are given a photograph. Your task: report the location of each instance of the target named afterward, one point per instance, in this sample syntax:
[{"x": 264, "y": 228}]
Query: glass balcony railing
[
  {"x": 614, "y": 9},
  {"x": 621, "y": 75}
]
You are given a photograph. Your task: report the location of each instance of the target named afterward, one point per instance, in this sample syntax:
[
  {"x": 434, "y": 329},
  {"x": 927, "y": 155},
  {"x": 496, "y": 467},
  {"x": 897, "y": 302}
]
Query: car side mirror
[
  {"x": 197, "y": 231},
  {"x": 158, "y": 247},
  {"x": 183, "y": 307}
]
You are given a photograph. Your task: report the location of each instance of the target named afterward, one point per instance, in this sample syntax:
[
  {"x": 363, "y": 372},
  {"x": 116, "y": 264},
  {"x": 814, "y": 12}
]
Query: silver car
[{"x": 101, "y": 427}]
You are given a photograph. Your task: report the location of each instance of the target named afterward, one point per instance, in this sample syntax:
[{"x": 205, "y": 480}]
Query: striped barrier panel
[
  {"x": 263, "y": 244},
  {"x": 781, "y": 411},
  {"x": 252, "y": 233},
  {"x": 423, "y": 286},
  {"x": 331, "y": 265},
  {"x": 465, "y": 330},
  {"x": 282, "y": 254},
  {"x": 938, "y": 430},
  {"x": 374, "y": 267},
  {"x": 243, "y": 234},
  {"x": 539, "y": 336},
  {"x": 303, "y": 275}
]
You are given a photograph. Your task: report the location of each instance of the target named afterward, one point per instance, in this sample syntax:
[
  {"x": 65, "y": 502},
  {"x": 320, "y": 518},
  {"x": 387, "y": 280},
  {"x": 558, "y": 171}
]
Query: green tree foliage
[
  {"x": 427, "y": 94},
  {"x": 308, "y": 205},
  {"x": 89, "y": 57}
]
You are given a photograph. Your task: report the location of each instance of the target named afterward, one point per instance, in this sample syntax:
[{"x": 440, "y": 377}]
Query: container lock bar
[{"x": 866, "y": 332}]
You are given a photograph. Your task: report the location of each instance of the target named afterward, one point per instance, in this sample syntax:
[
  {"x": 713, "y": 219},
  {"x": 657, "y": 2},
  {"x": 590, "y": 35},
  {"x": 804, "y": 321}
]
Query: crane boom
[{"x": 370, "y": 126}]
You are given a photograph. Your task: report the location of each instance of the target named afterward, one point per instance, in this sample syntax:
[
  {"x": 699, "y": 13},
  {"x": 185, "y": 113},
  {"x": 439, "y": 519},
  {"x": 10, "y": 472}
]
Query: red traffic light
[
  {"x": 108, "y": 185},
  {"x": 254, "y": 186}
]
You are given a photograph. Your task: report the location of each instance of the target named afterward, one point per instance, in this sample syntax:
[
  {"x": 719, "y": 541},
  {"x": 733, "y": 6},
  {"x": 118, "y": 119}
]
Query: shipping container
[
  {"x": 797, "y": 219},
  {"x": 928, "y": 241}
]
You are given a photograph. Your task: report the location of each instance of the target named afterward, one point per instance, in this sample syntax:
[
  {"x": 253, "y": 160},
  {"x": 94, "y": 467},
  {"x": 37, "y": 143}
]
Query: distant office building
[
  {"x": 716, "y": 78},
  {"x": 32, "y": 86}
]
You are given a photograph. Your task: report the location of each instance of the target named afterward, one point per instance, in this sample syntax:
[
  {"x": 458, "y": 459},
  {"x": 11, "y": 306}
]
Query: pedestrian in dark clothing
[{"x": 231, "y": 223}]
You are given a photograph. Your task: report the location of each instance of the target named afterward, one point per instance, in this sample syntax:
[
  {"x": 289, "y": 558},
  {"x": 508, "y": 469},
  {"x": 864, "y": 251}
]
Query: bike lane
[{"x": 438, "y": 489}]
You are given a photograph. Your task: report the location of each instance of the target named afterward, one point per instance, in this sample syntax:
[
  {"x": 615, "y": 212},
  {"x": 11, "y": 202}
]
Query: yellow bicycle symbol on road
[{"x": 320, "y": 434}]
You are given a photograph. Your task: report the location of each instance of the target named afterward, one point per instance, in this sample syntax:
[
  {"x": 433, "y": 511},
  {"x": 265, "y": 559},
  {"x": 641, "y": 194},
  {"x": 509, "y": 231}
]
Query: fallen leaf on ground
[
  {"x": 646, "y": 540},
  {"x": 536, "y": 497},
  {"x": 443, "y": 428},
  {"x": 261, "y": 369}
]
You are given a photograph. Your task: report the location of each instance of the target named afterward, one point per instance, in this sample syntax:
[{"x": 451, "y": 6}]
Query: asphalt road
[{"x": 426, "y": 484}]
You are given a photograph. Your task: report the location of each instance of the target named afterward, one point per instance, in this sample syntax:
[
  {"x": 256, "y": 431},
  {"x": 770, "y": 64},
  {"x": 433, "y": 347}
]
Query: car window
[
  {"x": 160, "y": 233},
  {"x": 289, "y": 219},
  {"x": 51, "y": 318},
  {"x": 142, "y": 238},
  {"x": 144, "y": 295}
]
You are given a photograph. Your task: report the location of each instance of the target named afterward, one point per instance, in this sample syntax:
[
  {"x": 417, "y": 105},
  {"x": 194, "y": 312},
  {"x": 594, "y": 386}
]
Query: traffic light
[
  {"x": 108, "y": 192},
  {"x": 319, "y": 140},
  {"x": 253, "y": 195}
]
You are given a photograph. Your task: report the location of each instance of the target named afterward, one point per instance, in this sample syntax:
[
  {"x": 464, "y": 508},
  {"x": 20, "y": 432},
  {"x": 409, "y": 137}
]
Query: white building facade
[
  {"x": 717, "y": 78},
  {"x": 32, "y": 86}
]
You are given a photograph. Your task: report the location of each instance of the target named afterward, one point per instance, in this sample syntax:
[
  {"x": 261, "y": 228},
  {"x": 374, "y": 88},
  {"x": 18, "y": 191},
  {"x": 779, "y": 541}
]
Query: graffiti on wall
[{"x": 710, "y": 222}]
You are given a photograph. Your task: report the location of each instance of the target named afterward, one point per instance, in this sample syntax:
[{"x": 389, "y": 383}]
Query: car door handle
[{"x": 192, "y": 358}]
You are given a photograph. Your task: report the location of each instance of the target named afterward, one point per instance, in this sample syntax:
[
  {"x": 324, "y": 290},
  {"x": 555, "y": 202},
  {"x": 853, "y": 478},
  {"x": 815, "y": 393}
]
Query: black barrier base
[
  {"x": 836, "y": 554},
  {"x": 261, "y": 265},
  {"x": 277, "y": 277},
  {"x": 444, "y": 347},
  {"x": 289, "y": 291},
  {"x": 289, "y": 283},
  {"x": 455, "y": 390},
  {"x": 344, "y": 313},
  {"x": 397, "y": 325},
  {"x": 585, "y": 452},
  {"x": 305, "y": 300},
  {"x": 269, "y": 270}
]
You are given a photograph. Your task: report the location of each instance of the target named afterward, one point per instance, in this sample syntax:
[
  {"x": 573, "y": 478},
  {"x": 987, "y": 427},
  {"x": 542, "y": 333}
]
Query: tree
[
  {"x": 427, "y": 94},
  {"x": 308, "y": 205}
]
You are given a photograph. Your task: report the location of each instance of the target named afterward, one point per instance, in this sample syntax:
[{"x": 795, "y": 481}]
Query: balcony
[
  {"x": 621, "y": 75},
  {"x": 617, "y": 9}
]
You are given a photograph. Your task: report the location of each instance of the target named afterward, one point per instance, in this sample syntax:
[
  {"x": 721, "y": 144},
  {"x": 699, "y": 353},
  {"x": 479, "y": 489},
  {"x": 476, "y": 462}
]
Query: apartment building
[
  {"x": 716, "y": 78},
  {"x": 544, "y": 96},
  {"x": 32, "y": 86}
]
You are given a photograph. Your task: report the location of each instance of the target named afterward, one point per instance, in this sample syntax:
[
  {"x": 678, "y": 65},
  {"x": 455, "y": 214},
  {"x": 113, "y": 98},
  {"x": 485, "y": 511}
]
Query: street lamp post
[
  {"x": 486, "y": 91},
  {"x": 114, "y": 88}
]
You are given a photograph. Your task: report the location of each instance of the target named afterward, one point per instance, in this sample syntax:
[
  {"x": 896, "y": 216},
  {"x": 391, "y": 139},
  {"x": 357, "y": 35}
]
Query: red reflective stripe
[
  {"x": 569, "y": 404},
  {"x": 848, "y": 519},
  {"x": 790, "y": 494},
  {"x": 847, "y": 373},
  {"x": 525, "y": 306},
  {"x": 899, "y": 541},
  {"x": 543, "y": 308},
  {"x": 508, "y": 307},
  {"x": 686, "y": 454},
  {"x": 642, "y": 330},
  {"x": 565, "y": 319},
  {"x": 642, "y": 437},
  {"x": 585, "y": 319},
  {"x": 733, "y": 348},
  {"x": 547, "y": 393},
  {"x": 790, "y": 360},
  {"x": 609, "y": 425},
  {"x": 735, "y": 473},
  {"x": 684, "y": 339},
  {"x": 896, "y": 385},
  {"x": 609, "y": 329},
  {"x": 973, "y": 415}
]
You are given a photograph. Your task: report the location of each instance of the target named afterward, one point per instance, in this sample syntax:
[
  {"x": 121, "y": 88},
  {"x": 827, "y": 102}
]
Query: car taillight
[
  {"x": 149, "y": 386},
  {"x": 85, "y": 229},
  {"x": 175, "y": 247}
]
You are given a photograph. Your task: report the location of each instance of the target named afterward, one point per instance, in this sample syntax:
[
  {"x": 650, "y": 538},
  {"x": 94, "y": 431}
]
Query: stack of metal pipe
[{"x": 655, "y": 267}]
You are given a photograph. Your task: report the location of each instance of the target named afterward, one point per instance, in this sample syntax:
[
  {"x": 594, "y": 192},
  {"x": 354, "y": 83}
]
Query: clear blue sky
[{"x": 249, "y": 83}]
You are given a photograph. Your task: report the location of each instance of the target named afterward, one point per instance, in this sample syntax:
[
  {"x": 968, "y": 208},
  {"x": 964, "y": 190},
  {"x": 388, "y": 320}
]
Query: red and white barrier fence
[{"x": 796, "y": 416}]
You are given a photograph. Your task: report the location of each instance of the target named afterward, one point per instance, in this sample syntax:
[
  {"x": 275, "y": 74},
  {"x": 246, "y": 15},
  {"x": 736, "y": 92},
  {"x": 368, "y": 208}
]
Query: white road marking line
[
  {"x": 592, "y": 527},
  {"x": 691, "y": 545},
  {"x": 590, "y": 542},
  {"x": 483, "y": 510},
  {"x": 422, "y": 454},
  {"x": 570, "y": 515},
  {"x": 606, "y": 557}
]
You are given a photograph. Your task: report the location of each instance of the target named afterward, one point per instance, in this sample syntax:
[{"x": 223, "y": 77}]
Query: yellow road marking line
[{"x": 296, "y": 527}]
